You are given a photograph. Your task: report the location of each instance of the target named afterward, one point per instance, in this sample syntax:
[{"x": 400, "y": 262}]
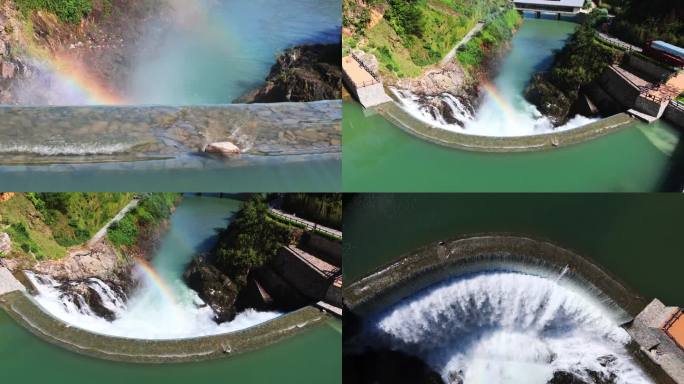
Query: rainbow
[
  {"x": 502, "y": 103},
  {"x": 157, "y": 281},
  {"x": 76, "y": 77}
]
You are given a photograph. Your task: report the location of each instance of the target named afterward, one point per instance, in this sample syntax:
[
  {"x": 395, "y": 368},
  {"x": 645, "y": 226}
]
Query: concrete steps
[{"x": 642, "y": 116}]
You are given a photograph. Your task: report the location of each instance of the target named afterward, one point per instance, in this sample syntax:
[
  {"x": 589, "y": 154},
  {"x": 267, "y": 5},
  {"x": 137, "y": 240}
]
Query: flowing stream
[
  {"x": 503, "y": 110},
  {"x": 162, "y": 306},
  {"x": 508, "y": 327}
]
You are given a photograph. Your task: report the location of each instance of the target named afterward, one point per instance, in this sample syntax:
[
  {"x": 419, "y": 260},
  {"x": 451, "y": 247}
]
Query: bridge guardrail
[{"x": 307, "y": 225}]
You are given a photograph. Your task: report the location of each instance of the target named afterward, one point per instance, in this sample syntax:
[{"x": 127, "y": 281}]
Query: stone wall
[
  {"x": 675, "y": 115},
  {"x": 645, "y": 69},
  {"x": 619, "y": 88},
  {"x": 300, "y": 275},
  {"x": 326, "y": 249}
]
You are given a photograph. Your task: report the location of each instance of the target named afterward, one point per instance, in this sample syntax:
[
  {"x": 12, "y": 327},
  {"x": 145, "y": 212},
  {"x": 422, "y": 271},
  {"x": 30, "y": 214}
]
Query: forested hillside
[{"x": 407, "y": 35}]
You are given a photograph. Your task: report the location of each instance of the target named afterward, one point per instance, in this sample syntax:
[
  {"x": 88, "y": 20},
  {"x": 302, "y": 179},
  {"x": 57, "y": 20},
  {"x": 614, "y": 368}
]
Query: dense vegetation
[
  {"x": 494, "y": 34},
  {"x": 323, "y": 208},
  {"x": 69, "y": 11},
  {"x": 75, "y": 217},
  {"x": 412, "y": 34},
  {"x": 581, "y": 61},
  {"x": 251, "y": 239},
  {"x": 152, "y": 209},
  {"x": 639, "y": 21},
  {"x": 43, "y": 225}
]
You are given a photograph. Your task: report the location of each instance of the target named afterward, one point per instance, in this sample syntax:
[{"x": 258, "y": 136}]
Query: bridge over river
[{"x": 568, "y": 7}]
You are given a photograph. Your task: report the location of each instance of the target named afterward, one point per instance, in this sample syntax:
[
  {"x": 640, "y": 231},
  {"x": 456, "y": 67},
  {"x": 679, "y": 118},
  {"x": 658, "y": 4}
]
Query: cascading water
[
  {"x": 503, "y": 111},
  {"x": 161, "y": 306},
  {"x": 508, "y": 327}
]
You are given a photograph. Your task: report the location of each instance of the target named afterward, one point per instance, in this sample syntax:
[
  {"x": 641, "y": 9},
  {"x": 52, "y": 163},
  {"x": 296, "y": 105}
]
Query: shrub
[{"x": 70, "y": 11}]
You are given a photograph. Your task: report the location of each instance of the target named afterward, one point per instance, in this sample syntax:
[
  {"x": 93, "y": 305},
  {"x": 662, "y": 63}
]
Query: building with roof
[{"x": 554, "y": 6}]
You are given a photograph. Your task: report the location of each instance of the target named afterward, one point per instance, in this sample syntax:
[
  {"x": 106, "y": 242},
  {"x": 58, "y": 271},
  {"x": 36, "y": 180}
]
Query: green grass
[
  {"x": 68, "y": 11},
  {"x": 406, "y": 41},
  {"x": 31, "y": 238},
  {"x": 75, "y": 217}
]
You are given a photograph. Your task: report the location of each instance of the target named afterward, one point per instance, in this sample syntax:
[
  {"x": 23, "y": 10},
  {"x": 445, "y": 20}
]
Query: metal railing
[{"x": 306, "y": 224}]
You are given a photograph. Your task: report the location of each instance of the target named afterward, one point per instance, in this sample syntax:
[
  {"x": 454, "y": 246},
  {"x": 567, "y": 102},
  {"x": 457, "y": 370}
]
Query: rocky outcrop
[
  {"x": 213, "y": 287},
  {"x": 548, "y": 99},
  {"x": 302, "y": 73},
  {"x": 5, "y": 196},
  {"x": 87, "y": 299},
  {"x": 100, "y": 261},
  {"x": 5, "y": 244},
  {"x": 448, "y": 79}
]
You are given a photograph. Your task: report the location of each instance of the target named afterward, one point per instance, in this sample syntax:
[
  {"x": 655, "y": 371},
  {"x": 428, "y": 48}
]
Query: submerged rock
[
  {"x": 562, "y": 377},
  {"x": 302, "y": 73},
  {"x": 214, "y": 287}
]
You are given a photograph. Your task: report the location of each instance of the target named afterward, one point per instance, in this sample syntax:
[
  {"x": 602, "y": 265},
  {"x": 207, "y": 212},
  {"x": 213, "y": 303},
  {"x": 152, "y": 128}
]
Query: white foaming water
[
  {"x": 507, "y": 327},
  {"x": 494, "y": 118},
  {"x": 146, "y": 315}
]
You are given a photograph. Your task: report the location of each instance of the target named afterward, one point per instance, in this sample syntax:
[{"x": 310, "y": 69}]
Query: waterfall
[
  {"x": 496, "y": 116},
  {"x": 507, "y": 327},
  {"x": 99, "y": 307}
]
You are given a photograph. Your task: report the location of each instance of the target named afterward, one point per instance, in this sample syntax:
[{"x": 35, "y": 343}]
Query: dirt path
[
  {"x": 103, "y": 231},
  {"x": 449, "y": 56}
]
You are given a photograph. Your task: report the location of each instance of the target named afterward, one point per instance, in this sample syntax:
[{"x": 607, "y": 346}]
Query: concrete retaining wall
[
  {"x": 324, "y": 248},
  {"x": 649, "y": 106},
  {"x": 675, "y": 115},
  {"x": 300, "y": 275},
  {"x": 26, "y": 312},
  {"x": 646, "y": 69},
  {"x": 618, "y": 88}
]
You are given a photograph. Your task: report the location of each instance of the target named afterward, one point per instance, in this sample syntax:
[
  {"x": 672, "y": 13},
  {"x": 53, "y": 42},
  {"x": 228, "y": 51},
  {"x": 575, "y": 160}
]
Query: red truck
[{"x": 665, "y": 52}]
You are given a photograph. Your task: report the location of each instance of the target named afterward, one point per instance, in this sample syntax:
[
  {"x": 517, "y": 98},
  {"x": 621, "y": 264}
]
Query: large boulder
[
  {"x": 214, "y": 287},
  {"x": 303, "y": 73},
  {"x": 548, "y": 99},
  {"x": 224, "y": 148}
]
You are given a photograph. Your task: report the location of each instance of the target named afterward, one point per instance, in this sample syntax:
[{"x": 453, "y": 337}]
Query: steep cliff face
[{"x": 302, "y": 73}]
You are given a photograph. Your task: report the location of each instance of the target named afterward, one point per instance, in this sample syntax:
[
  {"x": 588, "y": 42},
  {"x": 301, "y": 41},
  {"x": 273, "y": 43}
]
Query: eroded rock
[
  {"x": 5, "y": 244},
  {"x": 214, "y": 288}
]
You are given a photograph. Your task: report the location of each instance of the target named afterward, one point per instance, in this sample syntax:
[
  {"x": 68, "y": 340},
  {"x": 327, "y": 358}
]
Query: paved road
[
  {"x": 449, "y": 56},
  {"x": 102, "y": 232},
  {"x": 307, "y": 223}
]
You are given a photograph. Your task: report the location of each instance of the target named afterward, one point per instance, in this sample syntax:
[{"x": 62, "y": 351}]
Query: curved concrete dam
[
  {"x": 29, "y": 314},
  {"x": 436, "y": 262},
  {"x": 499, "y": 308},
  {"x": 44, "y": 135}
]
